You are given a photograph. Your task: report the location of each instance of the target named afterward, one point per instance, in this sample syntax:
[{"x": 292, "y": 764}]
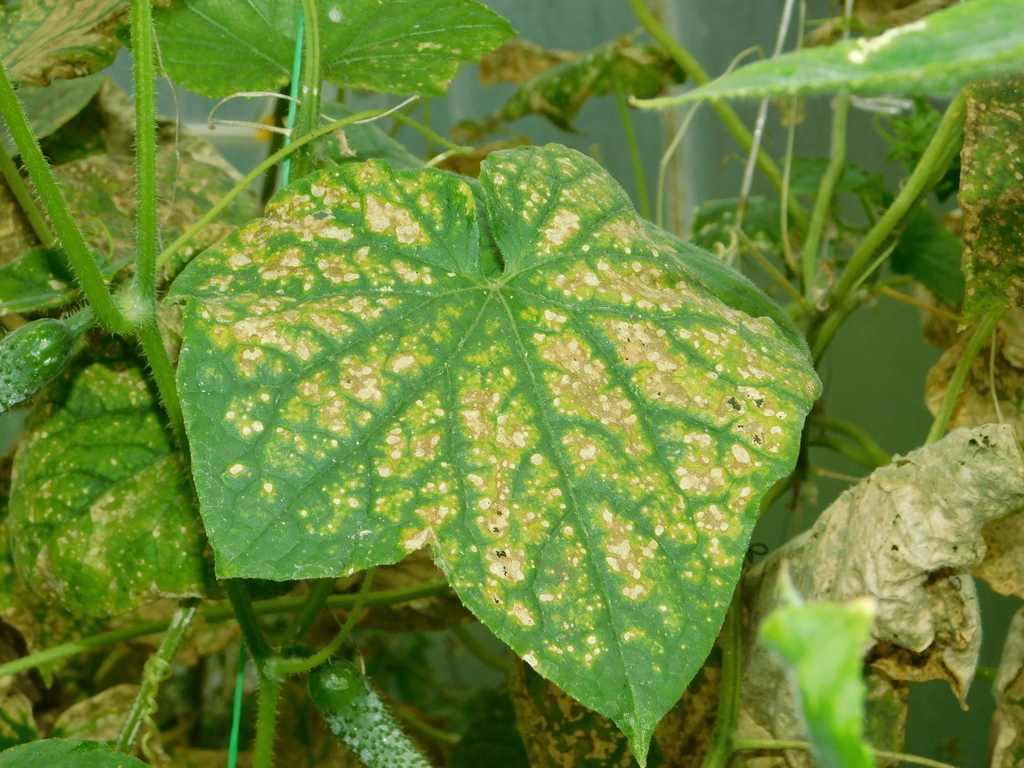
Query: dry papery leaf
[
  {"x": 517, "y": 60},
  {"x": 907, "y": 536},
  {"x": 1003, "y": 566},
  {"x": 1009, "y": 693}
]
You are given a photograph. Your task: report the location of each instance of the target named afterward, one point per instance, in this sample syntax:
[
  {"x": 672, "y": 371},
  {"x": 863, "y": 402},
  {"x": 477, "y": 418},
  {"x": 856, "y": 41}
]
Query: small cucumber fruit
[
  {"x": 33, "y": 355},
  {"x": 357, "y": 716}
]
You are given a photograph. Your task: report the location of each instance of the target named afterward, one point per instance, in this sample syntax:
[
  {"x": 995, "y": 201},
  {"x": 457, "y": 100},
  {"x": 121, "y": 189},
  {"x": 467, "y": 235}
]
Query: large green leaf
[
  {"x": 583, "y": 436},
  {"x": 823, "y": 644},
  {"x": 932, "y": 254},
  {"x": 42, "y": 40},
  {"x": 67, "y": 753},
  {"x": 218, "y": 47},
  {"x": 934, "y": 56},
  {"x": 102, "y": 512},
  {"x": 992, "y": 198}
]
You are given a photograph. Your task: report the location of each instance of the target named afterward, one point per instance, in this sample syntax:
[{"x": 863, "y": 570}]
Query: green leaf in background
[
  {"x": 932, "y": 254},
  {"x": 102, "y": 511},
  {"x": 219, "y": 47},
  {"x": 822, "y": 644},
  {"x": 101, "y": 190},
  {"x": 66, "y": 753},
  {"x": 43, "y": 40},
  {"x": 934, "y": 56},
  {"x": 365, "y": 141},
  {"x": 713, "y": 221},
  {"x": 992, "y": 198},
  {"x": 583, "y": 438},
  {"x": 51, "y": 106},
  {"x": 558, "y": 94}
]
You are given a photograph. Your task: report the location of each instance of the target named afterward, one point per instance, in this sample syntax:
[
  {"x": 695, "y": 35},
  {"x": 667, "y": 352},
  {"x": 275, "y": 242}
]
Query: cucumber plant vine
[{"x": 577, "y": 413}]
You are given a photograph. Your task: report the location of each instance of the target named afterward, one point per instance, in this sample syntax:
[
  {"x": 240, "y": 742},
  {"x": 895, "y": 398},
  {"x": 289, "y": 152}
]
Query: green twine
[
  {"x": 300, "y": 32},
  {"x": 236, "y": 716}
]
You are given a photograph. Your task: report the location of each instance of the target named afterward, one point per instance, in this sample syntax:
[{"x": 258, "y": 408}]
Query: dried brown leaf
[
  {"x": 517, "y": 60},
  {"x": 1009, "y": 693},
  {"x": 907, "y": 536},
  {"x": 976, "y": 405},
  {"x": 98, "y": 718}
]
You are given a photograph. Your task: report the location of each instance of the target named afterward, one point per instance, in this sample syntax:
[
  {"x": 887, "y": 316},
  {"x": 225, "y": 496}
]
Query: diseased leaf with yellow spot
[
  {"x": 102, "y": 513},
  {"x": 583, "y": 437}
]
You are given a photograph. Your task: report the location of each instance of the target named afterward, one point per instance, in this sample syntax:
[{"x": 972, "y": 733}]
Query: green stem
[
  {"x": 144, "y": 68},
  {"x": 634, "y": 153},
  {"x": 212, "y": 615},
  {"x": 56, "y": 206},
  {"x": 772, "y": 270},
  {"x": 843, "y": 448},
  {"x": 254, "y": 174},
  {"x": 826, "y": 189},
  {"x": 266, "y": 720},
  {"x": 721, "y": 748},
  {"x": 311, "y": 80},
  {"x": 477, "y": 649},
  {"x": 162, "y": 372},
  {"x": 236, "y": 709},
  {"x": 940, "y": 150},
  {"x": 310, "y": 609},
  {"x": 156, "y": 664},
  {"x": 963, "y": 368},
  {"x": 408, "y": 715},
  {"x": 241, "y": 603},
  {"x": 728, "y": 116},
  {"x": 431, "y": 135},
  {"x": 284, "y": 667},
  {"x": 25, "y": 200},
  {"x": 879, "y": 456},
  {"x": 821, "y": 337},
  {"x": 743, "y": 745}
]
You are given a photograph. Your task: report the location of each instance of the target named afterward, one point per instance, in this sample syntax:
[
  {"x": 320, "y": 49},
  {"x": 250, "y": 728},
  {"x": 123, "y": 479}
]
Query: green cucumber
[
  {"x": 33, "y": 355},
  {"x": 357, "y": 716}
]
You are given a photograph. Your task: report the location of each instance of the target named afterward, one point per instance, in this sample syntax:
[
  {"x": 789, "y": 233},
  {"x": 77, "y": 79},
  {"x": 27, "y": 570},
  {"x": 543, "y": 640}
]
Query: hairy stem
[
  {"x": 157, "y": 663},
  {"x": 162, "y": 372},
  {"x": 721, "y": 747},
  {"x": 24, "y": 198},
  {"x": 940, "y": 150},
  {"x": 144, "y": 72},
  {"x": 284, "y": 667},
  {"x": 741, "y": 744},
  {"x": 643, "y": 201},
  {"x": 266, "y": 720},
  {"x": 960, "y": 373},
  {"x": 68, "y": 233},
  {"x": 214, "y": 614},
  {"x": 726, "y": 113},
  {"x": 826, "y": 190}
]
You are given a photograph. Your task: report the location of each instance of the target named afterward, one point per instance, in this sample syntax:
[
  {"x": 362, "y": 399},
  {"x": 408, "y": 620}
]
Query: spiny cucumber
[
  {"x": 33, "y": 355},
  {"x": 357, "y": 716}
]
